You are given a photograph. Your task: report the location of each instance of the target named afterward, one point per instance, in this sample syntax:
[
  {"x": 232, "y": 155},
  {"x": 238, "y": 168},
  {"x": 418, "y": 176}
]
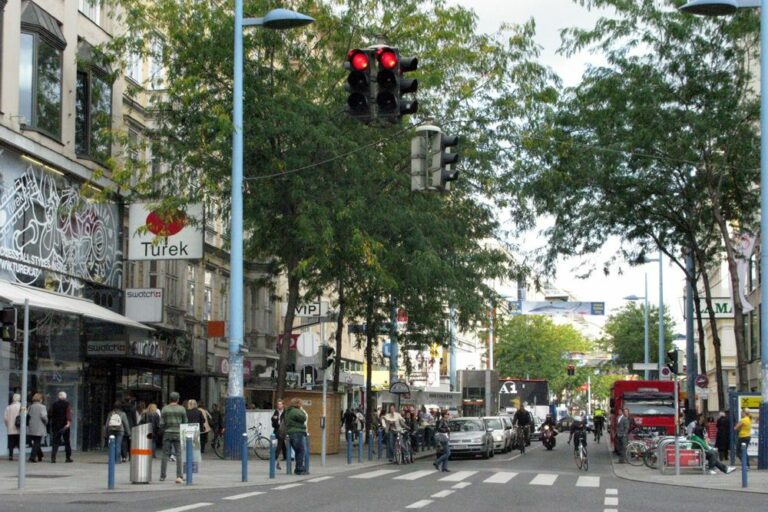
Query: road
[{"x": 536, "y": 481}]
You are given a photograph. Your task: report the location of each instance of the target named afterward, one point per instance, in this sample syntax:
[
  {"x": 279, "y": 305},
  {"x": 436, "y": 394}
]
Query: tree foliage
[{"x": 625, "y": 335}]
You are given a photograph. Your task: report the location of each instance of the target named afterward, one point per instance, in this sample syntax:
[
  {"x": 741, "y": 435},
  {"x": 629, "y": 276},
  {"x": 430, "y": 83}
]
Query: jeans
[
  {"x": 739, "y": 441},
  {"x": 119, "y": 450},
  {"x": 60, "y": 437},
  {"x": 168, "y": 445},
  {"x": 297, "y": 443},
  {"x": 713, "y": 462},
  {"x": 442, "y": 460}
]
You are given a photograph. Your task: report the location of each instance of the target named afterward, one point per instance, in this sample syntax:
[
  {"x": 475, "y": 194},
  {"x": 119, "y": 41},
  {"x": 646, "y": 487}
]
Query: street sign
[
  {"x": 702, "y": 381},
  {"x": 309, "y": 310},
  {"x": 399, "y": 388},
  {"x": 308, "y": 344},
  {"x": 666, "y": 374},
  {"x": 644, "y": 366}
]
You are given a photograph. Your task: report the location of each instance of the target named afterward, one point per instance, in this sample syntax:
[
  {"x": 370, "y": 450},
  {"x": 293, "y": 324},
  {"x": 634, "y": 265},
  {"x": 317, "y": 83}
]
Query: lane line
[
  {"x": 320, "y": 479},
  {"x": 461, "y": 485},
  {"x": 286, "y": 486},
  {"x": 415, "y": 475},
  {"x": 544, "y": 479},
  {"x": 610, "y": 510},
  {"x": 501, "y": 477},
  {"x": 241, "y": 496},
  {"x": 375, "y": 474},
  {"x": 611, "y": 492},
  {"x": 611, "y": 501},
  {"x": 442, "y": 494},
  {"x": 186, "y": 507},
  {"x": 588, "y": 481},
  {"x": 458, "y": 476},
  {"x": 419, "y": 504}
]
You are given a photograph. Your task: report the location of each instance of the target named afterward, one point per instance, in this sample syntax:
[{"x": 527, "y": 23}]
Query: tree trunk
[
  {"x": 285, "y": 347},
  {"x": 701, "y": 258},
  {"x": 370, "y": 333},
  {"x": 701, "y": 339},
  {"x": 339, "y": 332}
]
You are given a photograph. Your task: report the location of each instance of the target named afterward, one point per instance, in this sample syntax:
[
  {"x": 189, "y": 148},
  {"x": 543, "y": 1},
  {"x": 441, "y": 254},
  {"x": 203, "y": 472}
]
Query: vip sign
[
  {"x": 144, "y": 304},
  {"x": 173, "y": 236}
]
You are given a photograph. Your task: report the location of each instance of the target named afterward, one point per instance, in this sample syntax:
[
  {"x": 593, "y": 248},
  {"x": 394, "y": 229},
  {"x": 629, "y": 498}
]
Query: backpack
[{"x": 115, "y": 422}]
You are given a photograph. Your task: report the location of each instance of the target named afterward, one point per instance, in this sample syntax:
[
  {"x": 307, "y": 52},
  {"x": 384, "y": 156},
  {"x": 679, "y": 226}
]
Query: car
[
  {"x": 536, "y": 432},
  {"x": 470, "y": 436},
  {"x": 502, "y": 433}
]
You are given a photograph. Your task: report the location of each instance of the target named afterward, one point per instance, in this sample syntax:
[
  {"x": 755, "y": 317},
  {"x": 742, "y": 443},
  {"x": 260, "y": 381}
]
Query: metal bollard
[
  {"x": 244, "y": 458},
  {"x": 306, "y": 454},
  {"x": 111, "y": 463},
  {"x": 272, "y": 455},
  {"x": 744, "y": 458},
  {"x": 370, "y": 445},
  {"x": 349, "y": 447},
  {"x": 379, "y": 443},
  {"x": 288, "y": 456},
  {"x": 190, "y": 455},
  {"x": 360, "y": 447}
]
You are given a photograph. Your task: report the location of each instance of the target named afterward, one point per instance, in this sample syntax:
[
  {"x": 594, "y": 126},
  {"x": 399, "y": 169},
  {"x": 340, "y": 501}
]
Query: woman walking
[
  {"x": 117, "y": 425},
  {"x": 38, "y": 424},
  {"x": 152, "y": 416},
  {"x": 11, "y": 413},
  {"x": 296, "y": 429}
]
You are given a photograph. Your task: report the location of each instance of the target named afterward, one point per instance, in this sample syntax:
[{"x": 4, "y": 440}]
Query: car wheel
[{"x": 485, "y": 455}]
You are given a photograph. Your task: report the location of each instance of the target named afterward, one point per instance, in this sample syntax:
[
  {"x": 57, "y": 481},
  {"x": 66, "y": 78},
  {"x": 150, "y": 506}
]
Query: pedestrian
[
  {"x": 622, "y": 431},
  {"x": 61, "y": 420},
  {"x": 412, "y": 426},
  {"x": 393, "y": 424},
  {"x": 427, "y": 426},
  {"x": 12, "y": 412},
  {"x": 279, "y": 429},
  {"x": 195, "y": 416},
  {"x": 171, "y": 417},
  {"x": 38, "y": 421},
  {"x": 117, "y": 425},
  {"x": 442, "y": 436},
  {"x": 152, "y": 416},
  {"x": 723, "y": 440},
  {"x": 140, "y": 408},
  {"x": 743, "y": 434},
  {"x": 359, "y": 420},
  {"x": 711, "y": 455},
  {"x": 296, "y": 429},
  {"x": 207, "y": 428},
  {"x": 218, "y": 422},
  {"x": 349, "y": 420}
]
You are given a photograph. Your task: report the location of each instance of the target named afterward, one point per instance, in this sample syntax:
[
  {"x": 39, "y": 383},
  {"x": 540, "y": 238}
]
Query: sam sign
[{"x": 154, "y": 235}]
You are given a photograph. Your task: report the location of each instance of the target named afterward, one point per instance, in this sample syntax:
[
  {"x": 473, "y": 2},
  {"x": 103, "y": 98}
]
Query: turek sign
[{"x": 176, "y": 235}]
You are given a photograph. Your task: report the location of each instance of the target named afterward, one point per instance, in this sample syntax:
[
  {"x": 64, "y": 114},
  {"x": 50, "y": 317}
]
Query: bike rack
[{"x": 700, "y": 465}]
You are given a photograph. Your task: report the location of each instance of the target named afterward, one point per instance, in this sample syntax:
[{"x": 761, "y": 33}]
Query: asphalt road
[{"x": 536, "y": 481}]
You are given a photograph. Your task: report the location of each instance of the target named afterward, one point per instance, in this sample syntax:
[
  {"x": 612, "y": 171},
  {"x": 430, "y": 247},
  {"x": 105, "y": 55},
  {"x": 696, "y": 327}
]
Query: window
[
  {"x": 40, "y": 70},
  {"x": 171, "y": 283},
  {"x": 91, "y": 8},
  {"x": 191, "y": 273},
  {"x": 224, "y": 297},
  {"x": 134, "y": 67},
  {"x": 153, "y": 274},
  {"x": 93, "y": 107},
  {"x": 208, "y": 295},
  {"x": 156, "y": 73}
]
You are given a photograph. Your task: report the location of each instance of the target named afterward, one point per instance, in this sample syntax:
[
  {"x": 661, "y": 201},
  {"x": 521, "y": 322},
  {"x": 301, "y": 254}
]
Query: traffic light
[
  {"x": 8, "y": 324},
  {"x": 441, "y": 163},
  {"x": 359, "y": 84},
  {"x": 391, "y": 84},
  {"x": 326, "y": 356},
  {"x": 674, "y": 360},
  {"x": 571, "y": 370}
]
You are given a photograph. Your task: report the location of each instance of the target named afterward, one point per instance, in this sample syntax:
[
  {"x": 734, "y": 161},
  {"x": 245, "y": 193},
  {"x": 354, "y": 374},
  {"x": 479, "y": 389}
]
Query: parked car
[
  {"x": 536, "y": 433},
  {"x": 470, "y": 436},
  {"x": 502, "y": 433}
]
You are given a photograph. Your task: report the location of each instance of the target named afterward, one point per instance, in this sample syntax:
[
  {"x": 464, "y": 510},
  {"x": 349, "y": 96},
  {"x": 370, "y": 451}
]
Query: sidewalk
[
  {"x": 88, "y": 474},
  {"x": 757, "y": 480}
]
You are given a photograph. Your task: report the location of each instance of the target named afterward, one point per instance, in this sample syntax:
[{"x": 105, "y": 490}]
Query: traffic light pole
[{"x": 324, "y": 430}]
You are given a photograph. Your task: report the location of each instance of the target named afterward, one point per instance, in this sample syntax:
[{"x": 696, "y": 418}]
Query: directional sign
[
  {"x": 644, "y": 366},
  {"x": 310, "y": 310},
  {"x": 702, "y": 381},
  {"x": 508, "y": 388}
]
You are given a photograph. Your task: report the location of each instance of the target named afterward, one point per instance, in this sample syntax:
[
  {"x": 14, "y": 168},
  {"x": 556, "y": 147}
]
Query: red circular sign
[
  {"x": 402, "y": 316},
  {"x": 702, "y": 381},
  {"x": 168, "y": 225}
]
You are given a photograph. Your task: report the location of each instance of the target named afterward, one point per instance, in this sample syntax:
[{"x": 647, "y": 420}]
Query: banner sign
[
  {"x": 549, "y": 307},
  {"x": 154, "y": 237}
]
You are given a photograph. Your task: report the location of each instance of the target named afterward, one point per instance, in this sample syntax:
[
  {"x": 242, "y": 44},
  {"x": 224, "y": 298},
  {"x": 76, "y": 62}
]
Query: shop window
[
  {"x": 2, "y": 19},
  {"x": 91, "y": 8},
  {"x": 93, "y": 106},
  {"x": 40, "y": 70}
]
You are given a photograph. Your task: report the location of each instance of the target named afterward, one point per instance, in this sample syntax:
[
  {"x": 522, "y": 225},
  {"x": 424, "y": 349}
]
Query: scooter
[{"x": 548, "y": 437}]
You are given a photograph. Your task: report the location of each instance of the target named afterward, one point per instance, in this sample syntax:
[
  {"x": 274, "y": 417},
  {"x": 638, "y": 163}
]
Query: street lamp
[
  {"x": 276, "y": 19},
  {"x": 716, "y": 8},
  {"x": 646, "y": 341}
]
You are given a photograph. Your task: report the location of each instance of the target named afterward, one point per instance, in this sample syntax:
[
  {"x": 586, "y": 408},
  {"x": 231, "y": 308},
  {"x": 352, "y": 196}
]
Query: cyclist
[
  {"x": 393, "y": 424},
  {"x": 578, "y": 434},
  {"x": 599, "y": 422},
  {"x": 522, "y": 418}
]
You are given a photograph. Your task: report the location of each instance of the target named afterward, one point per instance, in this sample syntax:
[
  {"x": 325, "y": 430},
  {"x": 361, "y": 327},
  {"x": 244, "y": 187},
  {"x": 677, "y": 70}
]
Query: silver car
[
  {"x": 502, "y": 432},
  {"x": 470, "y": 436}
]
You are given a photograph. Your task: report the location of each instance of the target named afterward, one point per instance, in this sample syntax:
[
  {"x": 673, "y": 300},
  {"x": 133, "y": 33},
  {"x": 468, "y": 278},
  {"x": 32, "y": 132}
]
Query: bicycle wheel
[
  {"x": 577, "y": 458},
  {"x": 218, "y": 446},
  {"x": 261, "y": 448},
  {"x": 584, "y": 458},
  {"x": 635, "y": 451},
  {"x": 651, "y": 459},
  {"x": 398, "y": 452}
]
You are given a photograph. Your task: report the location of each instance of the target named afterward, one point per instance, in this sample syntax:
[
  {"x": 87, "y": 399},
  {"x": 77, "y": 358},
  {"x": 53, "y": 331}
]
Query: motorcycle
[{"x": 548, "y": 437}]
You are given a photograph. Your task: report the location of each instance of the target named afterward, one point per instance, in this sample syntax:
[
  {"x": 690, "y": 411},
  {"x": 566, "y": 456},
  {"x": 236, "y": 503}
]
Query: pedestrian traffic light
[
  {"x": 571, "y": 370},
  {"x": 358, "y": 84},
  {"x": 390, "y": 104},
  {"x": 326, "y": 357},
  {"x": 442, "y": 159},
  {"x": 674, "y": 359},
  {"x": 8, "y": 324}
]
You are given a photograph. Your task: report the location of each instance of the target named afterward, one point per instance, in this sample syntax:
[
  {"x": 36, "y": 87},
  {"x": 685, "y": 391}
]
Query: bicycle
[
  {"x": 403, "y": 449},
  {"x": 260, "y": 445},
  {"x": 521, "y": 438},
  {"x": 580, "y": 455},
  {"x": 218, "y": 443},
  {"x": 638, "y": 447}
]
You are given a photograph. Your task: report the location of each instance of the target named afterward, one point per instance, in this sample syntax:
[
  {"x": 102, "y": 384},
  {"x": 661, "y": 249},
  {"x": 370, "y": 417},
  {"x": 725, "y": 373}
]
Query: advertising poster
[{"x": 184, "y": 429}]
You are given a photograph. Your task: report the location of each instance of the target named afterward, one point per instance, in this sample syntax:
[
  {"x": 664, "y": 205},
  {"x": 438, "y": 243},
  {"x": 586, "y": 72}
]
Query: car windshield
[
  {"x": 494, "y": 423},
  {"x": 650, "y": 407},
  {"x": 466, "y": 426}
]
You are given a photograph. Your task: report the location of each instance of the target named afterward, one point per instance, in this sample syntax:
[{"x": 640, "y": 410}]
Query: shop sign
[
  {"x": 144, "y": 304},
  {"x": 175, "y": 236},
  {"x": 106, "y": 348}
]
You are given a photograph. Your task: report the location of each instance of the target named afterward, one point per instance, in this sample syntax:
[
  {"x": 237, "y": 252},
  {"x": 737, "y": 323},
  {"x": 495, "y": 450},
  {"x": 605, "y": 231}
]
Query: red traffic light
[
  {"x": 358, "y": 60},
  {"x": 387, "y": 58}
]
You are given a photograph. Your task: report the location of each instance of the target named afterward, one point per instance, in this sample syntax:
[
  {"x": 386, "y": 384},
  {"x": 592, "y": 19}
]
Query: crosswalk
[{"x": 462, "y": 479}]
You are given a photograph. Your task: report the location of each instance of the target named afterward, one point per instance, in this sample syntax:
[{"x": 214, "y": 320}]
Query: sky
[{"x": 550, "y": 17}]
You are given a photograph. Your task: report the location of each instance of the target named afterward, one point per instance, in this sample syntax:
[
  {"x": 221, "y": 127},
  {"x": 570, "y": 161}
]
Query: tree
[
  {"x": 533, "y": 346},
  {"x": 625, "y": 333}
]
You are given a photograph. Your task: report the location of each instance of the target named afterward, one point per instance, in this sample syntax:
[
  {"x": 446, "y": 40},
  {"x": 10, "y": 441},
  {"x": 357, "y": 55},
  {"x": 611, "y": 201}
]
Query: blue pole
[
  {"x": 762, "y": 454},
  {"x": 744, "y": 457},
  {"x": 349, "y": 447},
  {"x": 190, "y": 455},
  {"x": 360, "y": 447},
  {"x": 370, "y": 445},
  {"x": 244, "y": 458},
  {"x": 111, "y": 463},
  {"x": 288, "y": 456},
  {"x": 272, "y": 455},
  {"x": 235, "y": 402},
  {"x": 379, "y": 442},
  {"x": 306, "y": 454}
]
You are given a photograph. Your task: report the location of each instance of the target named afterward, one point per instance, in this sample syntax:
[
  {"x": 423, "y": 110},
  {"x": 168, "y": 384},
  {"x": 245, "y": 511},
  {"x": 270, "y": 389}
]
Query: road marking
[
  {"x": 544, "y": 479},
  {"x": 286, "y": 486},
  {"x": 611, "y": 501},
  {"x": 374, "y": 474},
  {"x": 610, "y": 510},
  {"x": 414, "y": 475},
  {"x": 501, "y": 477},
  {"x": 612, "y": 492},
  {"x": 419, "y": 504},
  {"x": 461, "y": 485},
  {"x": 186, "y": 507},
  {"x": 458, "y": 476},
  {"x": 588, "y": 481},
  {"x": 442, "y": 494},
  {"x": 241, "y": 496},
  {"x": 320, "y": 479}
]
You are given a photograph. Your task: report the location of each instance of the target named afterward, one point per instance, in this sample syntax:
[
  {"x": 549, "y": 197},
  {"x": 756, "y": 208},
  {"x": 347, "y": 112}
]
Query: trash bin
[{"x": 141, "y": 454}]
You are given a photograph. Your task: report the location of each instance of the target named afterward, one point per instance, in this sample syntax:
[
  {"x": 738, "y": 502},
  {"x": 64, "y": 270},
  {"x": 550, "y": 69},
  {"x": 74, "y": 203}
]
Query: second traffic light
[
  {"x": 8, "y": 324},
  {"x": 675, "y": 360},
  {"x": 327, "y": 356}
]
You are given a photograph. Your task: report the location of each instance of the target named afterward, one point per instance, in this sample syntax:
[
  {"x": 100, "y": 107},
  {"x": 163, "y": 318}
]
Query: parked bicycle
[
  {"x": 641, "y": 444},
  {"x": 217, "y": 443},
  {"x": 258, "y": 443}
]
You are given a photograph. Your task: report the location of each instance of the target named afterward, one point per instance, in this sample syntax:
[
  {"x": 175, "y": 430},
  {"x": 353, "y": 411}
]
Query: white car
[{"x": 502, "y": 432}]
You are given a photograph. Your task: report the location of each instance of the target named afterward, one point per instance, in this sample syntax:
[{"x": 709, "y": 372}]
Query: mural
[{"x": 50, "y": 235}]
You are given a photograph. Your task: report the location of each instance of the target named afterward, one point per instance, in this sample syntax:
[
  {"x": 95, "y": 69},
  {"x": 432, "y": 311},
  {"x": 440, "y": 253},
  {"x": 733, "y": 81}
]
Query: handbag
[{"x": 18, "y": 420}]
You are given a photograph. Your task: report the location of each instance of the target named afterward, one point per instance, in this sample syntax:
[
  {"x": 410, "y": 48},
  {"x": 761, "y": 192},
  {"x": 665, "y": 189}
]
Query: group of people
[
  {"x": 40, "y": 420},
  {"x": 290, "y": 428}
]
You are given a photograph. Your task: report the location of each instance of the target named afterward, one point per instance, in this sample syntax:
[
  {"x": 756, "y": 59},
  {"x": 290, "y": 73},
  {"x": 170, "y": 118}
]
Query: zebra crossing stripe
[
  {"x": 501, "y": 477},
  {"x": 458, "y": 476},
  {"x": 419, "y": 504},
  {"x": 544, "y": 479},
  {"x": 415, "y": 475},
  {"x": 375, "y": 474},
  {"x": 588, "y": 481}
]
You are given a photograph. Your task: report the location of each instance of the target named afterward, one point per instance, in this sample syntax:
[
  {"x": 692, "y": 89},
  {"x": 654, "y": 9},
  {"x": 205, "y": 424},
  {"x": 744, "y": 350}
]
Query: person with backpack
[
  {"x": 117, "y": 425},
  {"x": 279, "y": 429}
]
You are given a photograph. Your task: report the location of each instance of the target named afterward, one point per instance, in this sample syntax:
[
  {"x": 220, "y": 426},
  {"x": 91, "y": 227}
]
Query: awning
[{"x": 42, "y": 299}]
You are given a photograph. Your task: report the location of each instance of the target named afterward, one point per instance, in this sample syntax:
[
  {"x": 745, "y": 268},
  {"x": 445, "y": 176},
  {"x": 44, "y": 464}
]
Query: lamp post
[
  {"x": 276, "y": 19},
  {"x": 646, "y": 340},
  {"x": 717, "y": 8}
]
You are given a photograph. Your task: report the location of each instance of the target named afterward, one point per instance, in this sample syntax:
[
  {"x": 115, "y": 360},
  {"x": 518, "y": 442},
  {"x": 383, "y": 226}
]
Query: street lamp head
[
  {"x": 280, "y": 19},
  {"x": 633, "y": 297},
  {"x": 710, "y": 7}
]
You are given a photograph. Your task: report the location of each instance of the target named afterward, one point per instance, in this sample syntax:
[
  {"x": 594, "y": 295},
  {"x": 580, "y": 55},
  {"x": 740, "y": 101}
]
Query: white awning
[{"x": 42, "y": 299}]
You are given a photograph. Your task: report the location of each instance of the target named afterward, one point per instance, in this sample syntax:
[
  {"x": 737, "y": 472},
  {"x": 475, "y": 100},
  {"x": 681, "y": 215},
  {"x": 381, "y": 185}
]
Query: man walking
[
  {"x": 442, "y": 433},
  {"x": 171, "y": 417},
  {"x": 622, "y": 431},
  {"x": 278, "y": 419},
  {"x": 61, "y": 421}
]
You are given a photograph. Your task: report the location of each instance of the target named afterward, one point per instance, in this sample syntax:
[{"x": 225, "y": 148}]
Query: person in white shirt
[
  {"x": 11, "y": 413},
  {"x": 393, "y": 423}
]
